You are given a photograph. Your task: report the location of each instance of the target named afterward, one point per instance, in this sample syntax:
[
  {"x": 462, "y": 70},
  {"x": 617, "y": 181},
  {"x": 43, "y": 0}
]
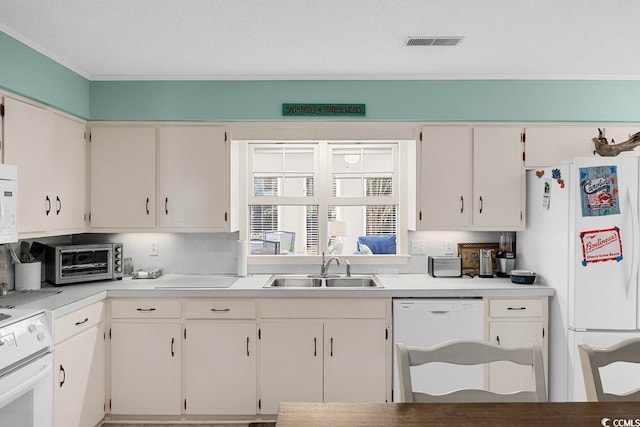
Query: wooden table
[{"x": 581, "y": 414}]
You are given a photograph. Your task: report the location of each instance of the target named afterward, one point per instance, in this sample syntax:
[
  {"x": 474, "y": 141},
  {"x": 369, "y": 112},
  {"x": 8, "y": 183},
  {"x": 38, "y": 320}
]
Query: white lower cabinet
[
  {"x": 516, "y": 323},
  {"x": 146, "y": 359},
  {"x": 354, "y": 360},
  {"x": 323, "y": 351},
  {"x": 239, "y": 358},
  {"x": 290, "y": 364},
  {"x": 219, "y": 369},
  {"x": 145, "y": 368},
  {"x": 79, "y": 368}
]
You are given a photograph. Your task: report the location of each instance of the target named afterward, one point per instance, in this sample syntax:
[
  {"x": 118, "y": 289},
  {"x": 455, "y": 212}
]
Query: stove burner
[{"x": 4, "y": 316}]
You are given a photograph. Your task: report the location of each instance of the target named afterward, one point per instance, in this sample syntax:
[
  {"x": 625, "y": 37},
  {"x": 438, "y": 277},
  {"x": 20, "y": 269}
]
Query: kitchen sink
[
  {"x": 315, "y": 281},
  {"x": 353, "y": 282},
  {"x": 294, "y": 282}
]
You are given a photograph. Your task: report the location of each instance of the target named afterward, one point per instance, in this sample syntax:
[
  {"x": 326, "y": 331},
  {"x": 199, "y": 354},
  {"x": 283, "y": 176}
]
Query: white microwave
[{"x": 8, "y": 203}]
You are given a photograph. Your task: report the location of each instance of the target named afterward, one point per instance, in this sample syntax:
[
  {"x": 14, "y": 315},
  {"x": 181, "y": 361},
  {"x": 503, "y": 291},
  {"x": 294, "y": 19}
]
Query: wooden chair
[
  {"x": 592, "y": 359},
  {"x": 469, "y": 353}
]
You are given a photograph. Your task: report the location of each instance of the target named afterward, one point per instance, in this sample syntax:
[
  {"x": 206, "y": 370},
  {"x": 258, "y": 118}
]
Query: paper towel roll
[{"x": 243, "y": 249}]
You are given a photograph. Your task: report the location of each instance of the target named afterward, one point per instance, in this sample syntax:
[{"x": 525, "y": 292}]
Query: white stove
[
  {"x": 24, "y": 334},
  {"x": 26, "y": 366}
]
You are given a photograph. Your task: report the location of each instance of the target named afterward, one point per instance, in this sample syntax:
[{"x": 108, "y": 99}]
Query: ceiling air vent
[{"x": 433, "y": 41}]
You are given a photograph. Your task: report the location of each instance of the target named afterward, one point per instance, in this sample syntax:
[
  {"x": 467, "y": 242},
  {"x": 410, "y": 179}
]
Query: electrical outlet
[
  {"x": 448, "y": 247},
  {"x": 418, "y": 247},
  {"x": 155, "y": 248}
]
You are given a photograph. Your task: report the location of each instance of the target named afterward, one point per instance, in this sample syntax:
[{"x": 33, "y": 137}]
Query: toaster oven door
[{"x": 81, "y": 265}]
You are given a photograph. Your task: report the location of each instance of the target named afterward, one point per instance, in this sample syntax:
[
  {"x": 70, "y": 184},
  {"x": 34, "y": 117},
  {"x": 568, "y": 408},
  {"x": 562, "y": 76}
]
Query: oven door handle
[{"x": 26, "y": 385}]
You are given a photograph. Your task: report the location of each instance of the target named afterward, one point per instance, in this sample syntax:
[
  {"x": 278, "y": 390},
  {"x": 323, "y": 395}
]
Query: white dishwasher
[{"x": 424, "y": 322}]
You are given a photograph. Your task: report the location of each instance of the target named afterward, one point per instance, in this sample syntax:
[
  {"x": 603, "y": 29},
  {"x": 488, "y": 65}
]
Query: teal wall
[
  {"x": 31, "y": 74},
  {"x": 386, "y": 100},
  {"x": 28, "y": 73}
]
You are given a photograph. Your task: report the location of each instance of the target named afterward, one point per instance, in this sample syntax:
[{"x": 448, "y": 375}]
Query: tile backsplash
[{"x": 216, "y": 253}]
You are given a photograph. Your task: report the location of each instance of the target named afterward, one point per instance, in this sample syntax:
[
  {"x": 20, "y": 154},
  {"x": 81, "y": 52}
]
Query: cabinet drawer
[
  {"x": 151, "y": 308},
  {"x": 78, "y": 321},
  {"x": 220, "y": 309},
  {"x": 516, "y": 308},
  {"x": 343, "y": 308}
]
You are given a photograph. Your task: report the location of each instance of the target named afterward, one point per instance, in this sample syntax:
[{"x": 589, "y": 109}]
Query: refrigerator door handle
[{"x": 633, "y": 274}]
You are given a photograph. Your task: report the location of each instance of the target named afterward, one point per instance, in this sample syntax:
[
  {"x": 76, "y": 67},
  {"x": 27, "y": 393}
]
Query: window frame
[{"x": 406, "y": 137}]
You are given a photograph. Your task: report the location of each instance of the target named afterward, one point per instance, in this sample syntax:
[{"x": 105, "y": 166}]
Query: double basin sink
[{"x": 312, "y": 281}]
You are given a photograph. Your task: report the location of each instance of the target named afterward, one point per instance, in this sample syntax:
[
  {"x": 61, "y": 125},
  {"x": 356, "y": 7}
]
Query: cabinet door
[
  {"x": 507, "y": 377},
  {"x": 445, "y": 171},
  {"x": 220, "y": 368},
  {"x": 498, "y": 181},
  {"x": 123, "y": 177},
  {"x": 145, "y": 368},
  {"x": 192, "y": 171},
  {"x": 79, "y": 385},
  {"x": 290, "y": 363},
  {"x": 549, "y": 145},
  {"x": 27, "y": 134},
  {"x": 70, "y": 174},
  {"x": 355, "y": 360}
]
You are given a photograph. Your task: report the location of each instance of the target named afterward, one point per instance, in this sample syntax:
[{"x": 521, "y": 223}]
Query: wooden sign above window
[{"x": 323, "y": 110}]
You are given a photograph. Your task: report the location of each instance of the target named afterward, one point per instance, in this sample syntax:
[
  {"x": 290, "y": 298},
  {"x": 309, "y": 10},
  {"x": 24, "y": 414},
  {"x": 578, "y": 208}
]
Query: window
[{"x": 308, "y": 197}]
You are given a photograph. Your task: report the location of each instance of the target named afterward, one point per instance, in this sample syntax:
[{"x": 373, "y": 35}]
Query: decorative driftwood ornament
[{"x": 609, "y": 150}]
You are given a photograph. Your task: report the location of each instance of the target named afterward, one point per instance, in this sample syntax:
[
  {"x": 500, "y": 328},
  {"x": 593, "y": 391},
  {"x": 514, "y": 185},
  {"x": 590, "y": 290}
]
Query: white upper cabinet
[
  {"x": 549, "y": 145},
  {"x": 50, "y": 152},
  {"x": 123, "y": 177},
  {"x": 193, "y": 185},
  {"x": 166, "y": 178},
  {"x": 471, "y": 178},
  {"x": 498, "y": 178},
  {"x": 70, "y": 154},
  {"x": 445, "y": 177}
]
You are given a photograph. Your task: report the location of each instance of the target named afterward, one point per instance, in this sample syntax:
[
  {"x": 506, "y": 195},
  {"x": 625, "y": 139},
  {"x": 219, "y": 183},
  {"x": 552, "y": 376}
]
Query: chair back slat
[
  {"x": 461, "y": 352},
  {"x": 476, "y": 396},
  {"x": 592, "y": 359}
]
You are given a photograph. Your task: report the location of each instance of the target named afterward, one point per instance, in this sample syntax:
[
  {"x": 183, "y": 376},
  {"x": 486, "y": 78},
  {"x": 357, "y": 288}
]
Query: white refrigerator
[{"x": 583, "y": 239}]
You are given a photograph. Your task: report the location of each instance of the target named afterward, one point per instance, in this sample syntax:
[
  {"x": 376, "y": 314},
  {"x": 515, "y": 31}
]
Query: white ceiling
[{"x": 331, "y": 39}]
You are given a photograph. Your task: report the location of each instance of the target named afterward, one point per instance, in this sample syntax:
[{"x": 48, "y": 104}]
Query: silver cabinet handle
[
  {"x": 173, "y": 340},
  {"x": 247, "y": 346},
  {"x": 166, "y": 208},
  {"x": 461, "y": 204},
  {"x": 58, "y": 205},
  {"x": 516, "y": 308},
  {"x": 315, "y": 346},
  {"x": 481, "y": 203},
  {"x": 145, "y": 309},
  {"x": 147, "y": 206},
  {"x": 221, "y": 310},
  {"x": 48, "y": 209},
  {"x": 331, "y": 350}
]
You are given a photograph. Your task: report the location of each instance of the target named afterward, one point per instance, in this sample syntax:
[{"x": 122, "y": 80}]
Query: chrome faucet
[
  {"x": 348, "y": 267},
  {"x": 324, "y": 267}
]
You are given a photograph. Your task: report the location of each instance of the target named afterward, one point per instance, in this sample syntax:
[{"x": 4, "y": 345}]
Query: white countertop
[{"x": 76, "y": 296}]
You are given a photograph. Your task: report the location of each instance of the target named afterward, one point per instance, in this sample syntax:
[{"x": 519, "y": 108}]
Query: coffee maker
[{"x": 505, "y": 257}]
